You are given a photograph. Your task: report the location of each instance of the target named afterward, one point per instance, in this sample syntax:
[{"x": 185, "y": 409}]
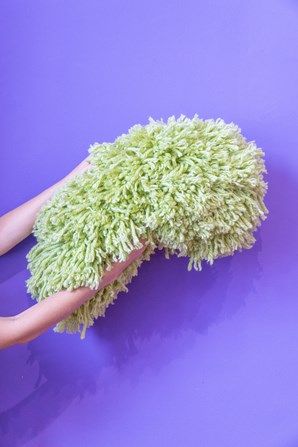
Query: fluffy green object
[{"x": 192, "y": 187}]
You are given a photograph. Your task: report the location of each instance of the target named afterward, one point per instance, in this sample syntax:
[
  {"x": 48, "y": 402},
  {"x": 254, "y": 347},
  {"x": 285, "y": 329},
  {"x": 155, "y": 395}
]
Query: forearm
[
  {"x": 39, "y": 318},
  {"x": 17, "y": 224},
  {"x": 43, "y": 315}
]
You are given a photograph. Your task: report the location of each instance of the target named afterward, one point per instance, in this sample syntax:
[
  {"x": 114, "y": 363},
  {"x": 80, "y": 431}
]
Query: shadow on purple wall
[{"x": 173, "y": 301}]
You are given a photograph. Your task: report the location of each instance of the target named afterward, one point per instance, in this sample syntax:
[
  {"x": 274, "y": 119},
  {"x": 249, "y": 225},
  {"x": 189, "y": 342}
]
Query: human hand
[
  {"x": 118, "y": 267},
  {"x": 81, "y": 167}
]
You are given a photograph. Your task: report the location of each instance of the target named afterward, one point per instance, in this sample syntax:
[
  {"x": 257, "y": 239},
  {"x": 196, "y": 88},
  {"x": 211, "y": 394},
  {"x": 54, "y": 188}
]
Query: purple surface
[{"x": 184, "y": 358}]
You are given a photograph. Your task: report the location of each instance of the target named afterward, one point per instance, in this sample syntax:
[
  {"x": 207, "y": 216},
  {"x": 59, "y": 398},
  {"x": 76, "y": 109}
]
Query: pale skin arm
[{"x": 15, "y": 226}]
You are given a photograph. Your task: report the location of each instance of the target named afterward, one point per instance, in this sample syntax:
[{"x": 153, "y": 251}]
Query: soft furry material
[{"x": 192, "y": 187}]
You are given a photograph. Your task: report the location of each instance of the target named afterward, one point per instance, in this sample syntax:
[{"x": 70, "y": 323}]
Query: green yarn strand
[{"x": 194, "y": 188}]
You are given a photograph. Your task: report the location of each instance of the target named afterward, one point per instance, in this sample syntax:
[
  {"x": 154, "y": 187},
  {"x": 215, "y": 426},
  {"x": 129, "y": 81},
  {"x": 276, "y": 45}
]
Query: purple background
[{"x": 184, "y": 358}]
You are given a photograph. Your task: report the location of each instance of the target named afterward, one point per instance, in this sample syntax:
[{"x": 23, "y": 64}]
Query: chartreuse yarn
[{"x": 192, "y": 187}]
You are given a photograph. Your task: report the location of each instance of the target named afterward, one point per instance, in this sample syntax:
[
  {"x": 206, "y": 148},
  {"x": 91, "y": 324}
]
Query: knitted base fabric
[{"x": 192, "y": 187}]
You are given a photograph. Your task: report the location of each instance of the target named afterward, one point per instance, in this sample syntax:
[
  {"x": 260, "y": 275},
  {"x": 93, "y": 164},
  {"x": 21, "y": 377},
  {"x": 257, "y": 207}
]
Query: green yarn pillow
[{"x": 192, "y": 187}]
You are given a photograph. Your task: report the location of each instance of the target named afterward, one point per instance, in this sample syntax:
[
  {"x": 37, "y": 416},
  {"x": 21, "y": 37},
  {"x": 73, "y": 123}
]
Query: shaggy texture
[{"x": 192, "y": 187}]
